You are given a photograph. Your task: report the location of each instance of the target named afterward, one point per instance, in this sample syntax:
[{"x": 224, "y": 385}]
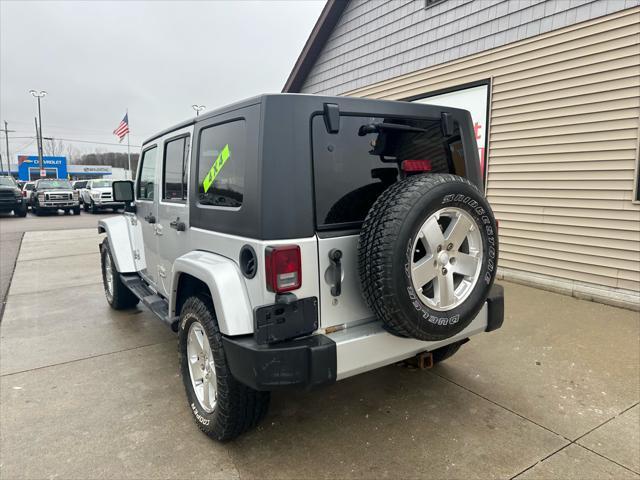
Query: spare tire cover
[{"x": 427, "y": 255}]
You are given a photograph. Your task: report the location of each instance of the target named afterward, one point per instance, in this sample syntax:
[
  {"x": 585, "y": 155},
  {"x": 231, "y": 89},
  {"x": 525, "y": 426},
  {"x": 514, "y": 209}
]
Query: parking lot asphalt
[{"x": 87, "y": 392}]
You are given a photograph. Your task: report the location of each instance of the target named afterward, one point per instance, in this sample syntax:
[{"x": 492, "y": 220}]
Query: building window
[{"x": 431, "y": 3}]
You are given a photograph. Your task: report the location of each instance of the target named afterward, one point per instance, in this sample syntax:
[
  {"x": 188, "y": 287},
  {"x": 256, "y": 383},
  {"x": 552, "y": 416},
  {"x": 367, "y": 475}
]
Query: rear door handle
[
  {"x": 150, "y": 218},
  {"x": 335, "y": 257},
  {"x": 178, "y": 225}
]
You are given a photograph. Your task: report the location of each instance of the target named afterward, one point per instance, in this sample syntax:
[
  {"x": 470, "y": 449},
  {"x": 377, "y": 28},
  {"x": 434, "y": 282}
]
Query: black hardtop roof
[{"x": 373, "y": 105}]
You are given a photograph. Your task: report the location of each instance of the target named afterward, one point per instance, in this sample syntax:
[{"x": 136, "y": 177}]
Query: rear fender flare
[
  {"x": 117, "y": 230},
  {"x": 228, "y": 291}
]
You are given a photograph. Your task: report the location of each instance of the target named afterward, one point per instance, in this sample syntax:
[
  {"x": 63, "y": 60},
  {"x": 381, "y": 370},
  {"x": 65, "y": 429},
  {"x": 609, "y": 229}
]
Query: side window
[
  {"x": 147, "y": 178},
  {"x": 221, "y": 164},
  {"x": 175, "y": 170}
]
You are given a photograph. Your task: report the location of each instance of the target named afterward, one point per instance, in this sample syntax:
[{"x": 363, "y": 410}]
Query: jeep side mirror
[{"x": 123, "y": 191}]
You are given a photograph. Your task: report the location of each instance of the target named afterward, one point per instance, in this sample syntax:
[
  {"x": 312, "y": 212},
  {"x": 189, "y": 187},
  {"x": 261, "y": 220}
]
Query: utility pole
[
  {"x": 39, "y": 95},
  {"x": 6, "y": 139},
  {"x": 38, "y": 141}
]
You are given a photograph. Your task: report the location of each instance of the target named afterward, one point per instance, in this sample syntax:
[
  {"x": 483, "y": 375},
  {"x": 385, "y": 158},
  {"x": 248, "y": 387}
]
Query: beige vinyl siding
[{"x": 563, "y": 147}]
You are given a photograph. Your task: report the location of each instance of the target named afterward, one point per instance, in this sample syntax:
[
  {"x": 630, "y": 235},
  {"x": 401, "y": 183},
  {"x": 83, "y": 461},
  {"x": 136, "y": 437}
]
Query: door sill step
[{"x": 150, "y": 299}]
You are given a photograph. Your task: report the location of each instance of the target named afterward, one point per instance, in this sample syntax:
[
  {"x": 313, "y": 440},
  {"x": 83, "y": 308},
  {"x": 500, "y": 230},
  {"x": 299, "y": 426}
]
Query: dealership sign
[
  {"x": 89, "y": 169},
  {"x": 29, "y": 167},
  {"x": 473, "y": 99}
]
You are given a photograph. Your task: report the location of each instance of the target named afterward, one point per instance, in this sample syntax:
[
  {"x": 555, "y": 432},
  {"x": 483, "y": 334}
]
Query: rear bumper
[
  {"x": 306, "y": 362},
  {"x": 108, "y": 204},
  {"x": 321, "y": 359}
]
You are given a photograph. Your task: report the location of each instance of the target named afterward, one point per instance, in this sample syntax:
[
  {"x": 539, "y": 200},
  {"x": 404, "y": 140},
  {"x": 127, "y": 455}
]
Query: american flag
[{"x": 123, "y": 128}]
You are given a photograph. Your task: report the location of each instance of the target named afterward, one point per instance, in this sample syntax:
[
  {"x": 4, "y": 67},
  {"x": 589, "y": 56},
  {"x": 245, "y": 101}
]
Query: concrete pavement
[
  {"x": 12, "y": 229},
  {"x": 87, "y": 392}
]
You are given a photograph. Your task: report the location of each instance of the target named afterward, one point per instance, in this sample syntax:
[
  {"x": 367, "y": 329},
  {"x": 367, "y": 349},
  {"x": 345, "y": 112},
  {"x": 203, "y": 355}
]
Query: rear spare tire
[{"x": 427, "y": 255}]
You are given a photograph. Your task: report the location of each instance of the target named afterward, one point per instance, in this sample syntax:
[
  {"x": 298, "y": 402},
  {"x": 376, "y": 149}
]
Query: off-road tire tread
[
  {"x": 376, "y": 243},
  {"x": 123, "y": 298},
  {"x": 239, "y": 408},
  {"x": 448, "y": 351}
]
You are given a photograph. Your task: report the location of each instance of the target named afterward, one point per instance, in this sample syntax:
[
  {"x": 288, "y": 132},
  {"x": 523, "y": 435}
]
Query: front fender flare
[
  {"x": 227, "y": 287},
  {"x": 117, "y": 230}
]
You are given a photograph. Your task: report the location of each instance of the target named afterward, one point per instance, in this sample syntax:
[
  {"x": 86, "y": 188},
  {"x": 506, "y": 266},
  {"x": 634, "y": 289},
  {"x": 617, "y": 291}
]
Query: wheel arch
[
  {"x": 221, "y": 279},
  {"x": 117, "y": 230}
]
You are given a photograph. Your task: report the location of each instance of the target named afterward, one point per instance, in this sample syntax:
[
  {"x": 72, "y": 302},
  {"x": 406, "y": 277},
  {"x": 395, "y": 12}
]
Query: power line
[
  {"x": 81, "y": 130},
  {"x": 84, "y": 141}
]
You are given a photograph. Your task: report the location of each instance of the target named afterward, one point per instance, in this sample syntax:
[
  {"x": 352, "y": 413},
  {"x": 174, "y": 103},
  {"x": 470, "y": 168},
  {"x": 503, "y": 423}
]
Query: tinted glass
[
  {"x": 101, "y": 183},
  {"x": 54, "y": 184},
  {"x": 147, "y": 179},
  {"x": 353, "y": 167},
  {"x": 29, "y": 186},
  {"x": 175, "y": 181},
  {"x": 221, "y": 165},
  {"x": 7, "y": 182}
]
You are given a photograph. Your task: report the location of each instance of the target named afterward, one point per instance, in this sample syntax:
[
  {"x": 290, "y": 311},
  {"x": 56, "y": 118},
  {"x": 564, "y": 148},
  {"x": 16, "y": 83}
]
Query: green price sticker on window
[{"x": 216, "y": 167}]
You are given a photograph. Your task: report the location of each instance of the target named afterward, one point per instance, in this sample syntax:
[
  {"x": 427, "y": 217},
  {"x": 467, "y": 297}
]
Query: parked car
[
  {"x": 27, "y": 193},
  {"x": 51, "y": 195},
  {"x": 97, "y": 195},
  {"x": 297, "y": 240},
  {"x": 78, "y": 186},
  {"x": 11, "y": 197}
]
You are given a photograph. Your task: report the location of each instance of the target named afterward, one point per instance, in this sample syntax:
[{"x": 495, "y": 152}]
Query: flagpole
[{"x": 129, "y": 147}]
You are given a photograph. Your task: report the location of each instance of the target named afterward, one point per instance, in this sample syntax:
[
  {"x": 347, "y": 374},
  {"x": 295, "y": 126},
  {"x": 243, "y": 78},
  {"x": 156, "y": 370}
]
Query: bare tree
[{"x": 53, "y": 147}]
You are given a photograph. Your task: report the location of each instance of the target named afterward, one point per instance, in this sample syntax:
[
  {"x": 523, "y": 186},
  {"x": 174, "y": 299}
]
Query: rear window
[
  {"x": 353, "y": 167},
  {"x": 101, "y": 183}
]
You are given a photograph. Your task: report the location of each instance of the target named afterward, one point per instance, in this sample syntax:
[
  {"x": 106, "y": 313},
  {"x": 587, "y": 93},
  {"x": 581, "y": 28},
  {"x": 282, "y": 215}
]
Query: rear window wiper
[{"x": 379, "y": 127}]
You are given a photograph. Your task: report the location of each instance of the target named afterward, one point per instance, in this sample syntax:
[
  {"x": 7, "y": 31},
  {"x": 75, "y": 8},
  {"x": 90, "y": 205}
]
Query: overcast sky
[{"x": 96, "y": 59}]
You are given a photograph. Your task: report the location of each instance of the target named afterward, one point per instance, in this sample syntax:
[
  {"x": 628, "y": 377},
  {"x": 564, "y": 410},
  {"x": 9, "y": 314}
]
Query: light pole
[
  {"x": 39, "y": 95},
  {"x": 198, "y": 108}
]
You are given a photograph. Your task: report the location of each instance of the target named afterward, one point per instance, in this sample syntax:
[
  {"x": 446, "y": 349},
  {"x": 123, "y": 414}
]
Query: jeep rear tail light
[
  {"x": 284, "y": 268},
  {"x": 416, "y": 165}
]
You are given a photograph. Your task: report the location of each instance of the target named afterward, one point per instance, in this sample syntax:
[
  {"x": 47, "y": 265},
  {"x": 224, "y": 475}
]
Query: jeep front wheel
[
  {"x": 428, "y": 253},
  {"x": 222, "y": 407},
  {"x": 118, "y": 294}
]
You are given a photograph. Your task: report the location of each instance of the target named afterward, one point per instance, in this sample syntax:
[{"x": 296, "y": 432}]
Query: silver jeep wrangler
[{"x": 296, "y": 240}]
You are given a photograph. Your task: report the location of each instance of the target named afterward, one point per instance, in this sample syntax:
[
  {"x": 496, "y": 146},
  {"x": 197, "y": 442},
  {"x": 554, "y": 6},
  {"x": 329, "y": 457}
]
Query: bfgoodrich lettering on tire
[
  {"x": 428, "y": 253},
  {"x": 222, "y": 407}
]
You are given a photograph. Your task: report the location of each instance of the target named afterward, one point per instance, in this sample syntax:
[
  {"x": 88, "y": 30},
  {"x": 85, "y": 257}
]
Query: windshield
[
  {"x": 101, "y": 184},
  {"x": 55, "y": 184},
  {"x": 29, "y": 186},
  {"x": 7, "y": 182}
]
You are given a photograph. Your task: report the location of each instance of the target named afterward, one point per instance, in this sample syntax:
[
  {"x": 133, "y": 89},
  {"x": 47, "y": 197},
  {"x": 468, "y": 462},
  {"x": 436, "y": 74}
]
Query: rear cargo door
[
  {"x": 347, "y": 182},
  {"x": 340, "y": 303},
  {"x": 352, "y": 168}
]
